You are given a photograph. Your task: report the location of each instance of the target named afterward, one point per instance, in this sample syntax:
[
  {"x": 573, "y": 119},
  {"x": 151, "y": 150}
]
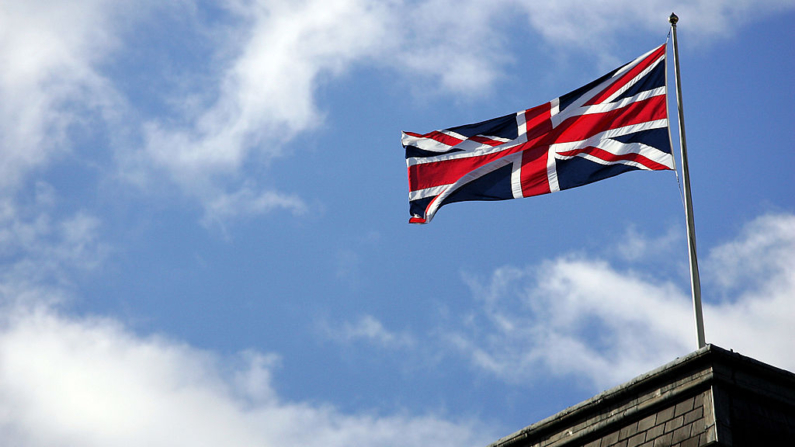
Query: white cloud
[
  {"x": 49, "y": 82},
  {"x": 369, "y": 329},
  {"x": 281, "y": 50},
  {"x": 756, "y": 277},
  {"x": 636, "y": 246},
  {"x": 577, "y": 316},
  {"x": 584, "y": 318},
  {"x": 458, "y": 44},
  {"x": 41, "y": 252},
  {"x": 269, "y": 59},
  {"x": 763, "y": 257},
  {"x": 273, "y": 57},
  {"x": 90, "y": 382},
  {"x": 246, "y": 202},
  {"x": 595, "y": 25}
]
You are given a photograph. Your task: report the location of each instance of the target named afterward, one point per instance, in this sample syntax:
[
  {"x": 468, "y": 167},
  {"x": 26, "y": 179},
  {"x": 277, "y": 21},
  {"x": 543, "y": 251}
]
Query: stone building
[{"x": 711, "y": 397}]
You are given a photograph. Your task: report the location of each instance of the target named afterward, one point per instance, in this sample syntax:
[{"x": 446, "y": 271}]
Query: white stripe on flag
[
  {"x": 475, "y": 150},
  {"x": 521, "y": 123},
  {"x": 634, "y": 80},
  {"x": 552, "y": 172},
  {"x": 652, "y": 153},
  {"x": 618, "y": 148},
  {"x": 516, "y": 176},
  {"x": 427, "y": 192},
  {"x": 612, "y": 133},
  {"x": 574, "y": 107},
  {"x": 608, "y": 107}
]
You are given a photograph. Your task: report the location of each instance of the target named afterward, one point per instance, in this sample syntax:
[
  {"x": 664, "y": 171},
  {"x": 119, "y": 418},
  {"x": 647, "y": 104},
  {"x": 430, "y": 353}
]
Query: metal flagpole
[{"x": 695, "y": 282}]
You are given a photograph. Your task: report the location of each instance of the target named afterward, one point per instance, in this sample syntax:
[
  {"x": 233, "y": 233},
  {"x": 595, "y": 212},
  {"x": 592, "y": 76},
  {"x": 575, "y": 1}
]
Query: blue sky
[{"x": 203, "y": 219}]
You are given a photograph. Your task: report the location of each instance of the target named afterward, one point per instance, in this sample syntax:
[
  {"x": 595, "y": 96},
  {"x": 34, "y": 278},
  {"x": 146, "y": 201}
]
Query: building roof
[{"x": 709, "y": 397}]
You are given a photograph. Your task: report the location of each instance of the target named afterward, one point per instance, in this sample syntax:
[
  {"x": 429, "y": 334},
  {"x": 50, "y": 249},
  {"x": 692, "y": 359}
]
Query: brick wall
[
  {"x": 711, "y": 397},
  {"x": 685, "y": 424},
  {"x": 750, "y": 419}
]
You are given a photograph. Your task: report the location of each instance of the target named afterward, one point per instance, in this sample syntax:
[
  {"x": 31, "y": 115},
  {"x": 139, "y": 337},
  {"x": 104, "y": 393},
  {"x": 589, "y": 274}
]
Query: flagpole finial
[{"x": 673, "y": 19}]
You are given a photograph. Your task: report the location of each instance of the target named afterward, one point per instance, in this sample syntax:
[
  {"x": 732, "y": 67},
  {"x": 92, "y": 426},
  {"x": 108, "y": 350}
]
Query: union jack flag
[{"x": 615, "y": 124}]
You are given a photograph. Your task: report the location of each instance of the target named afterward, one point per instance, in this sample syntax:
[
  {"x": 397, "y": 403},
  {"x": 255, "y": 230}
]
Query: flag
[{"x": 615, "y": 124}]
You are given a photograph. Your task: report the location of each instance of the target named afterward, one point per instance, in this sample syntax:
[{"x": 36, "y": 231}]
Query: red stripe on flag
[
  {"x": 581, "y": 127},
  {"x": 610, "y": 157},
  {"x": 486, "y": 140},
  {"x": 533, "y": 176},
  {"x": 538, "y": 120},
  {"x": 437, "y": 136},
  {"x": 628, "y": 76},
  {"x": 427, "y": 175},
  {"x": 534, "y": 171}
]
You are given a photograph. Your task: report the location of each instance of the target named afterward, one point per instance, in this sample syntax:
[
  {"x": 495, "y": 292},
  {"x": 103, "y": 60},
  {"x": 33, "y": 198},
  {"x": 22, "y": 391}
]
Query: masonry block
[{"x": 711, "y": 397}]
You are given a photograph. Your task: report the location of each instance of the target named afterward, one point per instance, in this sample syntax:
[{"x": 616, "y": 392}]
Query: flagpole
[{"x": 695, "y": 281}]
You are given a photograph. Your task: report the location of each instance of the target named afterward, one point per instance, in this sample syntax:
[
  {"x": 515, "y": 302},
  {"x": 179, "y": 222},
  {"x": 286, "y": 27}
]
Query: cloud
[
  {"x": 577, "y": 317},
  {"x": 91, "y": 382},
  {"x": 595, "y": 25},
  {"x": 369, "y": 329},
  {"x": 581, "y": 317},
  {"x": 456, "y": 44},
  {"x": 636, "y": 246},
  {"x": 271, "y": 57},
  {"x": 42, "y": 252},
  {"x": 277, "y": 54},
  {"x": 763, "y": 257},
  {"x": 280, "y": 51},
  {"x": 61, "y": 80},
  {"x": 247, "y": 202},
  {"x": 50, "y": 83},
  {"x": 754, "y": 277}
]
